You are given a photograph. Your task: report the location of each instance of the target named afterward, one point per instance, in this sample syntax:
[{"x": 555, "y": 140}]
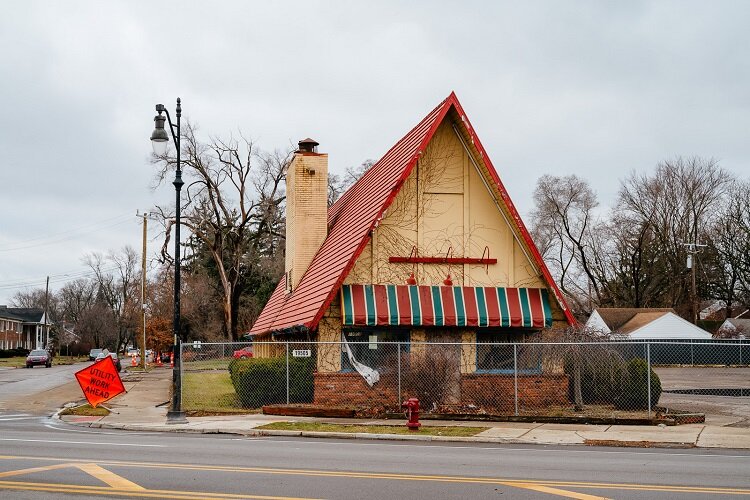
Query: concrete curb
[{"x": 371, "y": 437}]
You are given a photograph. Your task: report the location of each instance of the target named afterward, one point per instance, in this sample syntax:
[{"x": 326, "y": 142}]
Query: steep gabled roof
[
  {"x": 640, "y": 320},
  {"x": 355, "y": 215},
  {"x": 24, "y": 314},
  {"x": 617, "y": 317}
]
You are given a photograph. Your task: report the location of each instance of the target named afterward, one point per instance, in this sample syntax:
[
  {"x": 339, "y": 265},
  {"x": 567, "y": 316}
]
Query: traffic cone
[
  {"x": 171, "y": 360},
  {"x": 158, "y": 359},
  {"x": 132, "y": 361}
]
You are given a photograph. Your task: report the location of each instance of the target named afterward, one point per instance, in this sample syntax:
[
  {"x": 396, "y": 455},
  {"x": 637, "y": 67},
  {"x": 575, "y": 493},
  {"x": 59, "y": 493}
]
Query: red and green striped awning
[{"x": 381, "y": 305}]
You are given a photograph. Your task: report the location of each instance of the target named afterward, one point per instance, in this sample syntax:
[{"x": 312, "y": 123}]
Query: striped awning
[{"x": 376, "y": 305}]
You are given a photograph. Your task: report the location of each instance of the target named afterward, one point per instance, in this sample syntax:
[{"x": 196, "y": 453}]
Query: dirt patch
[{"x": 636, "y": 444}]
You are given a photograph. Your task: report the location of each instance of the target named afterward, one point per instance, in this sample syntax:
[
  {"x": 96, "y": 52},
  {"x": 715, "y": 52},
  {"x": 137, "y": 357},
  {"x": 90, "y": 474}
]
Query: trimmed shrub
[
  {"x": 602, "y": 377},
  {"x": 634, "y": 394},
  {"x": 262, "y": 381},
  {"x": 15, "y": 352}
]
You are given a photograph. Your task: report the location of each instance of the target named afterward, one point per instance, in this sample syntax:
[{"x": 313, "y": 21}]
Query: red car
[
  {"x": 244, "y": 353},
  {"x": 38, "y": 357}
]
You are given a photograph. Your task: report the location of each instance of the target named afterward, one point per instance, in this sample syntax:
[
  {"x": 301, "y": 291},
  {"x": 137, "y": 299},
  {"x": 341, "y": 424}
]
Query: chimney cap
[{"x": 309, "y": 145}]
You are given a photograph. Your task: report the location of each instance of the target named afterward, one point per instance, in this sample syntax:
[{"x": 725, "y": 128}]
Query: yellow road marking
[
  {"x": 556, "y": 491},
  {"x": 103, "y": 490},
  {"x": 33, "y": 470},
  {"x": 108, "y": 477},
  {"x": 405, "y": 477}
]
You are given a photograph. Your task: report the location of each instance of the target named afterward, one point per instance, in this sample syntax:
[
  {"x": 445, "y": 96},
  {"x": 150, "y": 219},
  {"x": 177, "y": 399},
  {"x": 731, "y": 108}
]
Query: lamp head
[{"x": 159, "y": 137}]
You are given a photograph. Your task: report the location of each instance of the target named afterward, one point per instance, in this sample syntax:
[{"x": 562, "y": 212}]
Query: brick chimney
[{"x": 306, "y": 210}]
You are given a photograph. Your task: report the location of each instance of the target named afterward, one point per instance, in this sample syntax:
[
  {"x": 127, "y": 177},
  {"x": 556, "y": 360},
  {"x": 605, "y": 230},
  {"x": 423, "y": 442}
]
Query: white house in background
[
  {"x": 736, "y": 325},
  {"x": 644, "y": 324}
]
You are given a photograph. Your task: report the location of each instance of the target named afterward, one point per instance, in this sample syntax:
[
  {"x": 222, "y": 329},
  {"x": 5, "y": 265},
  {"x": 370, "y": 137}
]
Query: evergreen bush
[
  {"x": 602, "y": 377},
  {"x": 262, "y": 381},
  {"x": 634, "y": 394}
]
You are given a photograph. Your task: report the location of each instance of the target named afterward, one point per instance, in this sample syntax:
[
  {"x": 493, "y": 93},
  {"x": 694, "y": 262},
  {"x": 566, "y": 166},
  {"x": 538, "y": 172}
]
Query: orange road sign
[{"x": 100, "y": 382}]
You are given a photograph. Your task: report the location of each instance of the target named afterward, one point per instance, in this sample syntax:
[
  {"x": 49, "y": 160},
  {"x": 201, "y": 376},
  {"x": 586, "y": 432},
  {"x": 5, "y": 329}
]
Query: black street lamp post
[{"x": 159, "y": 140}]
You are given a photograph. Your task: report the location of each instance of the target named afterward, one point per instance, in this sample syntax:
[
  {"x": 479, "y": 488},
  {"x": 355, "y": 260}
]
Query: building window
[
  {"x": 495, "y": 353},
  {"x": 373, "y": 348}
]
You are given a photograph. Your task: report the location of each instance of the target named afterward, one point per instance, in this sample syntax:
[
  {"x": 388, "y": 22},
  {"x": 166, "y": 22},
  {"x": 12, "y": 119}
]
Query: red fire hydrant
[{"x": 412, "y": 413}]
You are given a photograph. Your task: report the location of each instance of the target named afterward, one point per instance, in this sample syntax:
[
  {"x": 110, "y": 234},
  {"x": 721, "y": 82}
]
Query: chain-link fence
[{"x": 598, "y": 379}]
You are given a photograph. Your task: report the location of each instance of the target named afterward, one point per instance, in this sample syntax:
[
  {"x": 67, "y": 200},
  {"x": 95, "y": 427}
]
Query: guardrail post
[
  {"x": 398, "y": 362},
  {"x": 515, "y": 376},
  {"x": 648, "y": 375},
  {"x": 287, "y": 372}
]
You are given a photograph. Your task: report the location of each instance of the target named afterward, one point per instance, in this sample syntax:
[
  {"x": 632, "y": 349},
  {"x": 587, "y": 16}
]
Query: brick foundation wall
[
  {"x": 491, "y": 392},
  {"x": 495, "y": 392},
  {"x": 350, "y": 389}
]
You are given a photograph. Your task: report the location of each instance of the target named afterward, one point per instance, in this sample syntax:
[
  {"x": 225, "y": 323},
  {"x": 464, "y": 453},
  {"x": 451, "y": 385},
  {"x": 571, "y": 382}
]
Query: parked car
[
  {"x": 93, "y": 353},
  {"x": 114, "y": 356},
  {"x": 38, "y": 357},
  {"x": 244, "y": 353}
]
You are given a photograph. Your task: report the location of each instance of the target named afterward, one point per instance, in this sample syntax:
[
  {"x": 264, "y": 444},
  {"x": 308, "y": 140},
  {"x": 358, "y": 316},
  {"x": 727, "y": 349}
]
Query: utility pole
[
  {"x": 145, "y": 216},
  {"x": 692, "y": 250},
  {"x": 46, "y": 308}
]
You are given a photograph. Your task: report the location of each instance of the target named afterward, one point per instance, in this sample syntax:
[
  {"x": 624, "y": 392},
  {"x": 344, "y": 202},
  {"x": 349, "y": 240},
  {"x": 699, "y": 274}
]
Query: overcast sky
[{"x": 596, "y": 89}]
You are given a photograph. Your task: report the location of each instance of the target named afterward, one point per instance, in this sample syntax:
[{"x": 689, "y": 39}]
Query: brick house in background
[
  {"x": 25, "y": 327},
  {"x": 426, "y": 246}
]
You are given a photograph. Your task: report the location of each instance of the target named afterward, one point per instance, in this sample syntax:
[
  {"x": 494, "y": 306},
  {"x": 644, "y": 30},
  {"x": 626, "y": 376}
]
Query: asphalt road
[
  {"x": 36, "y": 387},
  {"x": 44, "y": 458}
]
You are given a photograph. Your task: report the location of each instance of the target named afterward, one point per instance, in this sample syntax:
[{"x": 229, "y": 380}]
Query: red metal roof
[{"x": 352, "y": 218}]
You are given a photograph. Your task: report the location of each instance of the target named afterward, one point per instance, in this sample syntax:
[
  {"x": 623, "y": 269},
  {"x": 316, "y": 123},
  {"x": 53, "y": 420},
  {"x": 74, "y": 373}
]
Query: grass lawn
[
  {"x": 374, "y": 429},
  {"x": 15, "y": 362},
  {"x": 69, "y": 360},
  {"x": 207, "y": 392},
  {"x": 207, "y": 364},
  {"x": 20, "y": 361}
]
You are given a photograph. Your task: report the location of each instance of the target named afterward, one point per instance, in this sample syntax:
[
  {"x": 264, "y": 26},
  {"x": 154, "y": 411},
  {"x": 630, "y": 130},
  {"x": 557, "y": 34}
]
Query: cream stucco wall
[{"x": 445, "y": 208}]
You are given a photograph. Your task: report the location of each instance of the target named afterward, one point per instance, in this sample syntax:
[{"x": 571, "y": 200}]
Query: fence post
[
  {"x": 692, "y": 357},
  {"x": 287, "y": 372},
  {"x": 398, "y": 362},
  {"x": 515, "y": 376},
  {"x": 182, "y": 369},
  {"x": 648, "y": 375}
]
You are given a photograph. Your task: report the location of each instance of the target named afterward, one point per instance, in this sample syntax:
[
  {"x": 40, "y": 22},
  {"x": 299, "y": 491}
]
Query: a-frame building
[{"x": 426, "y": 247}]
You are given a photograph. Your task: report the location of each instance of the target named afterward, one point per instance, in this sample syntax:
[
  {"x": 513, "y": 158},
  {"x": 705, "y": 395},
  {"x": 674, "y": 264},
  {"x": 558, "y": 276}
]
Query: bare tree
[
  {"x": 337, "y": 184},
  {"x": 233, "y": 207},
  {"x": 76, "y": 297},
  {"x": 564, "y": 223},
  {"x": 97, "y": 325},
  {"x": 35, "y": 298},
  {"x": 727, "y": 263},
  {"x": 117, "y": 282},
  {"x": 677, "y": 203}
]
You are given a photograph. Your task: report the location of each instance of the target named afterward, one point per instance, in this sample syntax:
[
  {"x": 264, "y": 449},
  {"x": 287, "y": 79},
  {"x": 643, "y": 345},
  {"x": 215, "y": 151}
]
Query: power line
[
  {"x": 58, "y": 278},
  {"x": 66, "y": 235}
]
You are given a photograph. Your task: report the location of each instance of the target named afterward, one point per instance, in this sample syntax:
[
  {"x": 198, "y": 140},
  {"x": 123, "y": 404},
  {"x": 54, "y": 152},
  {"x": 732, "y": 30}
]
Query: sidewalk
[{"x": 144, "y": 408}]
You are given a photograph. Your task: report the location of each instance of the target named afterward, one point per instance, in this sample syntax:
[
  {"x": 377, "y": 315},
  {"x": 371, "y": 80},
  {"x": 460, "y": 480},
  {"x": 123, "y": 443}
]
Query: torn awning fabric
[{"x": 417, "y": 305}]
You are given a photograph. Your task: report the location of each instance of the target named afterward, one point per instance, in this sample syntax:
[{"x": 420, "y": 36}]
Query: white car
[{"x": 116, "y": 360}]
